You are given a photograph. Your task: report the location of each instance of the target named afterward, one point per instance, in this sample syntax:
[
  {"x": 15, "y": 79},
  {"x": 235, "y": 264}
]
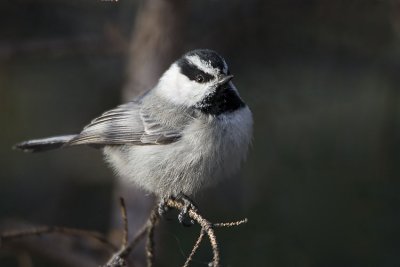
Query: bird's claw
[{"x": 183, "y": 216}]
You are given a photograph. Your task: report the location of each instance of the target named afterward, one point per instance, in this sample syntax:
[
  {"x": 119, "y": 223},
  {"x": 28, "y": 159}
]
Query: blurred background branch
[{"x": 155, "y": 42}]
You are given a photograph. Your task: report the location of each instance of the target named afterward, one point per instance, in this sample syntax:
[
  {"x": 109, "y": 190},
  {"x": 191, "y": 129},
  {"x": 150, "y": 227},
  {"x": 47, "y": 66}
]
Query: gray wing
[{"x": 126, "y": 124}]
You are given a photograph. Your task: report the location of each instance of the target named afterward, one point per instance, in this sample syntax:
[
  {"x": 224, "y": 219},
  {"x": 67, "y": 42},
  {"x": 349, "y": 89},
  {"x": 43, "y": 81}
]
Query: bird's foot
[{"x": 183, "y": 216}]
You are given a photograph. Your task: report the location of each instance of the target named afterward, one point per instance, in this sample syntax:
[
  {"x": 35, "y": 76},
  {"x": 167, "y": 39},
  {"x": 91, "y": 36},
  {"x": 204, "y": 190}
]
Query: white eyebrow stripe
[{"x": 203, "y": 65}]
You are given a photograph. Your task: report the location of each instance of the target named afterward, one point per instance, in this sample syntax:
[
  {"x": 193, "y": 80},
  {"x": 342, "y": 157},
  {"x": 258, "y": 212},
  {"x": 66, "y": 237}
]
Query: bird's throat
[{"x": 223, "y": 100}]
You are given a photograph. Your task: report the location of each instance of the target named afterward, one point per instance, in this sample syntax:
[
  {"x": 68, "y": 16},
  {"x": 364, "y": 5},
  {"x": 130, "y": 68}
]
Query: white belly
[{"x": 210, "y": 149}]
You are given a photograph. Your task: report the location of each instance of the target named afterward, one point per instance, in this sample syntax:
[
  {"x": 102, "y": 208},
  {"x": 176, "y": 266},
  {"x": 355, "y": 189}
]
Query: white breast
[{"x": 211, "y": 149}]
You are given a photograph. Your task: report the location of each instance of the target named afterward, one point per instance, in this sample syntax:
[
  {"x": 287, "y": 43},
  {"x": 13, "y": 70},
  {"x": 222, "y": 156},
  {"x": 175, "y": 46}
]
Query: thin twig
[
  {"x": 231, "y": 224},
  {"x": 123, "y": 253},
  {"x": 119, "y": 258},
  {"x": 205, "y": 225},
  {"x": 125, "y": 222},
  {"x": 37, "y": 231},
  {"x": 150, "y": 238},
  {"x": 195, "y": 248}
]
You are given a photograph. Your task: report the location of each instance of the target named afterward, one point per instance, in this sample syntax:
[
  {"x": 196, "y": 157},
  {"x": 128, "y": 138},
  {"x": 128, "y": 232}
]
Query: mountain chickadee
[{"x": 190, "y": 131}]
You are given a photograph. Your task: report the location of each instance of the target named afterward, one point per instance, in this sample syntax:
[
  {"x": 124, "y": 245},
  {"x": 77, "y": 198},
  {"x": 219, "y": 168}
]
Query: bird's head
[{"x": 200, "y": 79}]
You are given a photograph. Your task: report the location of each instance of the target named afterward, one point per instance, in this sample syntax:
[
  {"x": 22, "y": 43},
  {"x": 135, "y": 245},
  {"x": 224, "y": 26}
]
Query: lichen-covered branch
[
  {"x": 207, "y": 228},
  {"x": 194, "y": 250}
]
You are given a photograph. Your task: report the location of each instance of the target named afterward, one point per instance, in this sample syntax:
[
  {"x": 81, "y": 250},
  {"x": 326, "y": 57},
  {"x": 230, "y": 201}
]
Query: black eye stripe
[{"x": 192, "y": 72}]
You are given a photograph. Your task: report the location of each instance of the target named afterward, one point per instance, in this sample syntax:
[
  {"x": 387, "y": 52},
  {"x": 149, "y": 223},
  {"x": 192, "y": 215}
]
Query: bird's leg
[{"x": 183, "y": 216}]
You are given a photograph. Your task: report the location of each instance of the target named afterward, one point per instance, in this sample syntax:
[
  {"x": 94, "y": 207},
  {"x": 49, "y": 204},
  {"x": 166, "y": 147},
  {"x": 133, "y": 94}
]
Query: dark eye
[{"x": 199, "y": 78}]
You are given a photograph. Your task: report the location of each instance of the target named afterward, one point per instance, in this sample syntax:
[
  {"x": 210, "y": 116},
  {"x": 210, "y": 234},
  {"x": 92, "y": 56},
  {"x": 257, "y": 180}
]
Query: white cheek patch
[{"x": 178, "y": 89}]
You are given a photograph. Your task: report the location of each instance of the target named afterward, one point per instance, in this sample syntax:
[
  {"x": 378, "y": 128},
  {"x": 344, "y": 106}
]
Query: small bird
[{"x": 188, "y": 132}]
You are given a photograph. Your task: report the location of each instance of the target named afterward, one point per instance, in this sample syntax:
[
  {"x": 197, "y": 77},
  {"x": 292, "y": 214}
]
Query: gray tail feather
[{"x": 38, "y": 145}]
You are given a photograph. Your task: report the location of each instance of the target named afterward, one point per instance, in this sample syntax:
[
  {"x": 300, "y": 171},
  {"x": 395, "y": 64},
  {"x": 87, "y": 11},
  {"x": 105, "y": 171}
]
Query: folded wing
[{"x": 126, "y": 124}]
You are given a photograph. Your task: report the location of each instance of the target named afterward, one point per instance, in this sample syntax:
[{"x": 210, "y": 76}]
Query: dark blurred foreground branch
[
  {"x": 38, "y": 231},
  {"x": 66, "y": 247},
  {"x": 120, "y": 257}
]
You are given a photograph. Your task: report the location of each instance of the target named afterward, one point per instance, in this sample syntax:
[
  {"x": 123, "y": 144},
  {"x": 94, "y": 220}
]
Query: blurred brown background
[{"x": 321, "y": 186}]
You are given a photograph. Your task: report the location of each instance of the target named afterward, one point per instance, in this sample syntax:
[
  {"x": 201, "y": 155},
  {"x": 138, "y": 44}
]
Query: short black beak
[{"x": 225, "y": 79}]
